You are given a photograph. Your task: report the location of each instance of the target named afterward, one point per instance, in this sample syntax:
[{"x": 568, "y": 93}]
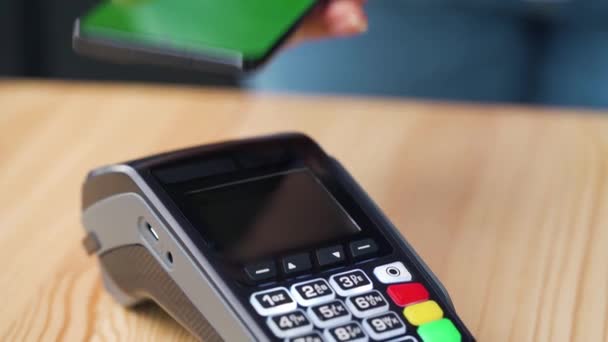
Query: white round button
[{"x": 394, "y": 272}]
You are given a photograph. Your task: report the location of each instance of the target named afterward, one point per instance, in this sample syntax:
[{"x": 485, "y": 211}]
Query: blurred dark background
[
  {"x": 532, "y": 52},
  {"x": 36, "y": 36}
]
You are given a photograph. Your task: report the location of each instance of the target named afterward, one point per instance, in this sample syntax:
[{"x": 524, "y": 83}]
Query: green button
[{"x": 442, "y": 330}]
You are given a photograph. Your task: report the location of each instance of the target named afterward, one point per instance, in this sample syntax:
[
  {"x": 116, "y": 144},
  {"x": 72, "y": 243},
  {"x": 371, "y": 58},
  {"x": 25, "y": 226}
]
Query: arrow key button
[
  {"x": 330, "y": 256},
  {"x": 296, "y": 263}
]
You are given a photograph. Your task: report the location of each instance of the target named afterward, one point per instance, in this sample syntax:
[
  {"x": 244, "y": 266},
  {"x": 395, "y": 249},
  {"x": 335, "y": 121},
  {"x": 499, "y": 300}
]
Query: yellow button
[{"x": 424, "y": 312}]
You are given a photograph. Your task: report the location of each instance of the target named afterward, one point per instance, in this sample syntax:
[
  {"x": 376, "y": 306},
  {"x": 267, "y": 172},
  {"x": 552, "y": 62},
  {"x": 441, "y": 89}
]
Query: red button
[{"x": 406, "y": 294}]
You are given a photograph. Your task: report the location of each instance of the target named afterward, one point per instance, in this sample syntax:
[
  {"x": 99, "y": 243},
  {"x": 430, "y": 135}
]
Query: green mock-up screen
[{"x": 251, "y": 27}]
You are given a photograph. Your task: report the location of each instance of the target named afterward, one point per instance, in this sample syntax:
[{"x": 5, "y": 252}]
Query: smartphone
[{"x": 219, "y": 36}]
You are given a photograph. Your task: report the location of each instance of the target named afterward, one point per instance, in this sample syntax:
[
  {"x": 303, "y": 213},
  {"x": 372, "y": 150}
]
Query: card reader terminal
[{"x": 265, "y": 239}]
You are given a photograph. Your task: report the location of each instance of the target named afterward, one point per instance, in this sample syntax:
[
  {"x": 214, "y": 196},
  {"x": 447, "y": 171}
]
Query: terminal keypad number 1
[{"x": 347, "y": 308}]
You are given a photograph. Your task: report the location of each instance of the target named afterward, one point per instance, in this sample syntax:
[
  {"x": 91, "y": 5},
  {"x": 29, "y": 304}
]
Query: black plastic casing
[{"x": 271, "y": 154}]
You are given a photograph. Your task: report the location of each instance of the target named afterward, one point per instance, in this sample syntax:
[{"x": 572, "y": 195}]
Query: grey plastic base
[
  {"x": 115, "y": 223},
  {"x": 137, "y": 276},
  {"x": 117, "y": 293}
]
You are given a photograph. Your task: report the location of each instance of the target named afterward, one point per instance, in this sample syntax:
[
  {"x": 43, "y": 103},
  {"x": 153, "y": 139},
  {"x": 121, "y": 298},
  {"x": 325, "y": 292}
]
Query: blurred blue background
[
  {"x": 553, "y": 53},
  {"x": 532, "y": 52}
]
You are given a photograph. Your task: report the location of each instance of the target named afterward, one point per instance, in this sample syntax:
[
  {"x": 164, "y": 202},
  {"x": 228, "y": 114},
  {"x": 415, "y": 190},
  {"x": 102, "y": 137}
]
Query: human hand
[{"x": 336, "y": 18}]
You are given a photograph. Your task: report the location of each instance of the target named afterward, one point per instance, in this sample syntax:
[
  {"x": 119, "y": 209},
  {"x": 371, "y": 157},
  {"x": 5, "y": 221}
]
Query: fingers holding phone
[{"x": 335, "y": 18}]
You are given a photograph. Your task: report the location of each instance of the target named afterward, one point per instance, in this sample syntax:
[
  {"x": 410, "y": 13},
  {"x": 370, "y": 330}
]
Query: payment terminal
[{"x": 263, "y": 239}]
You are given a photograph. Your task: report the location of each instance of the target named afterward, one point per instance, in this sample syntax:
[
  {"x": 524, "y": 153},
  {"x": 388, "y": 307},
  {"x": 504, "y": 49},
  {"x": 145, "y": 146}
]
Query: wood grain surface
[{"x": 508, "y": 205}]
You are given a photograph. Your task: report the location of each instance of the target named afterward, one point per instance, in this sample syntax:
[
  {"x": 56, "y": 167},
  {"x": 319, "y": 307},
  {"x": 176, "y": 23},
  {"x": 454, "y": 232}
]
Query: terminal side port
[{"x": 152, "y": 231}]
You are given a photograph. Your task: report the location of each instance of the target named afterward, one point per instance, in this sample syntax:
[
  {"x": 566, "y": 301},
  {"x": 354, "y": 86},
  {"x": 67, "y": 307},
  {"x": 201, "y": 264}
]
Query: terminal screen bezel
[
  {"x": 232, "y": 162},
  {"x": 260, "y": 217}
]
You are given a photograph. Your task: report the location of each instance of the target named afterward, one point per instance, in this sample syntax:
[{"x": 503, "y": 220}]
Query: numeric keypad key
[
  {"x": 273, "y": 301},
  {"x": 367, "y": 304},
  {"x": 312, "y": 292},
  {"x": 349, "y": 332},
  {"x": 384, "y": 326},
  {"x": 350, "y": 283},
  {"x": 290, "y": 324},
  {"x": 329, "y": 314}
]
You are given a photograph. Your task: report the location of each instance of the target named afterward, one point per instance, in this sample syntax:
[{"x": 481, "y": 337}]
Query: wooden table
[{"x": 508, "y": 205}]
